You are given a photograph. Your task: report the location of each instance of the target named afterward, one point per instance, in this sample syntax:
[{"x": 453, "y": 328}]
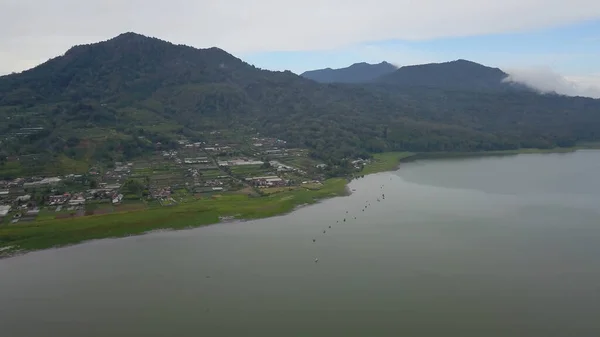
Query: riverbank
[
  {"x": 44, "y": 234},
  {"x": 387, "y": 161},
  {"x": 457, "y": 155}
]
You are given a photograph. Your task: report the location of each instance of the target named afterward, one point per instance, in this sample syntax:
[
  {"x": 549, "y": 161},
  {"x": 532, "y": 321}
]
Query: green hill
[{"x": 116, "y": 99}]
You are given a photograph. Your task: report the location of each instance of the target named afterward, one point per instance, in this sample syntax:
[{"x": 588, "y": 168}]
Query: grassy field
[
  {"x": 42, "y": 166},
  {"x": 211, "y": 174},
  {"x": 273, "y": 190},
  {"x": 299, "y": 161},
  {"x": 387, "y": 161},
  {"x": 10, "y": 169},
  {"x": 47, "y": 232}
]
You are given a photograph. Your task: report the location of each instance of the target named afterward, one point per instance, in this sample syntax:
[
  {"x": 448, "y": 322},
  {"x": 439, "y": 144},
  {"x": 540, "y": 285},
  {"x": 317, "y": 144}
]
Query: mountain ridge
[
  {"x": 115, "y": 99},
  {"x": 356, "y": 73},
  {"x": 460, "y": 74}
]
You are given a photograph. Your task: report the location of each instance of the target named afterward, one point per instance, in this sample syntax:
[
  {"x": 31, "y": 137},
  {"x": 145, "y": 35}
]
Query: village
[{"x": 255, "y": 166}]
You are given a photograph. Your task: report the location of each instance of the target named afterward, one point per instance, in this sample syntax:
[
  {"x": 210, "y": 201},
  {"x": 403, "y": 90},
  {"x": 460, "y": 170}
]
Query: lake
[{"x": 493, "y": 246}]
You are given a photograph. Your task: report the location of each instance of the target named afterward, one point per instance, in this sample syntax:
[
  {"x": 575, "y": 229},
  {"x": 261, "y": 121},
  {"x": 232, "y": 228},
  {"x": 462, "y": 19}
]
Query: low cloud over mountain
[{"x": 547, "y": 81}]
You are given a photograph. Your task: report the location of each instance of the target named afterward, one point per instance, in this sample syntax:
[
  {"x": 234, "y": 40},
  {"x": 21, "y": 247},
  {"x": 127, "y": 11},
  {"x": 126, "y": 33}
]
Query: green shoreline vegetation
[{"x": 51, "y": 233}]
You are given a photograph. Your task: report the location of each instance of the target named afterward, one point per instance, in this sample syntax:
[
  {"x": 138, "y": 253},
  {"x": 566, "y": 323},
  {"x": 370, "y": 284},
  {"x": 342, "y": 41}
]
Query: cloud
[
  {"x": 547, "y": 81},
  {"x": 26, "y": 26}
]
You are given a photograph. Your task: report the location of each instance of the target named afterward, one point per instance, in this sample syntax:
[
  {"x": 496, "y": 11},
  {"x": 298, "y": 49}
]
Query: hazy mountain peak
[
  {"x": 129, "y": 35},
  {"x": 459, "y": 74},
  {"x": 360, "y": 72}
]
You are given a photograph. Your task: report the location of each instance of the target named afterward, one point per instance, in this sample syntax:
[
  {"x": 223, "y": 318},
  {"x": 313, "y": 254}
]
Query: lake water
[{"x": 504, "y": 246}]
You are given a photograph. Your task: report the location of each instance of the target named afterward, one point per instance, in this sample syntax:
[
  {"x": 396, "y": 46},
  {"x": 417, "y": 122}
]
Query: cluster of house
[
  {"x": 280, "y": 167},
  {"x": 75, "y": 199},
  {"x": 26, "y": 214},
  {"x": 4, "y": 209},
  {"x": 217, "y": 148},
  {"x": 13, "y": 196},
  {"x": 359, "y": 163},
  {"x": 79, "y": 199},
  {"x": 169, "y": 154},
  {"x": 267, "y": 181},
  {"x": 239, "y": 162},
  {"x": 28, "y": 210},
  {"x": 186, "y": 143},
  {"x": 123, "y": 167},
  {"x": 161, "y": 193},
  {"x": 266, "y": 141},
  {"x": 269, "y": 146},
  {"x": 5, "y": 184},
  {"x": 197, "y": 160},
  {"x": 58, "y": 199},
  {"x": 40, "y": 182},
  {"x": 29, "y": 182},
  {"x": 213, "y": 183},
  {"x": 119, "y": 173}
]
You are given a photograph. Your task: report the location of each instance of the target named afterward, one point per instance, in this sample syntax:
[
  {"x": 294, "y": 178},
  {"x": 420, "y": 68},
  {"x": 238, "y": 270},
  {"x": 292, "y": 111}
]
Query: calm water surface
[{"x": 505, "y": 246}]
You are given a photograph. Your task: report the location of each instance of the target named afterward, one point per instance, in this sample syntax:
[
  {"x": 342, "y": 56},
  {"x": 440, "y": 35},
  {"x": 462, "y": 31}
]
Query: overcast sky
[{"x": 551, "y": 42}]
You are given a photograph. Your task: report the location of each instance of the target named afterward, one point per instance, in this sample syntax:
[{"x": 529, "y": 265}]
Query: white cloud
[
  {"x": 40, "y": 29},
  {"x": 546, "y": 80}
]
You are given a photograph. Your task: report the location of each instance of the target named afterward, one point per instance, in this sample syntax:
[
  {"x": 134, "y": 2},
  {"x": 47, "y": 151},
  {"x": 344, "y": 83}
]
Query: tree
[
  {"x": 93, "y": 183},
  {"x": 139, "y": 91},
  {"x": 132, "y": 187}
]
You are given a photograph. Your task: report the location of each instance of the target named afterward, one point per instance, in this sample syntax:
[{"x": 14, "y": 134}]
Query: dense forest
[{"x": 116, "y": 99}]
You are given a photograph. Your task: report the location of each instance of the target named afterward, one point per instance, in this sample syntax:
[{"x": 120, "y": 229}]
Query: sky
[{"x": 553, "y": 45}]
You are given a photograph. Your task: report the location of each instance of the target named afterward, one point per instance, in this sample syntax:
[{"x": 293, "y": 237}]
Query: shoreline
[
  {"x": 57, "y": 233},
  {"x": 501, "y": 153}
]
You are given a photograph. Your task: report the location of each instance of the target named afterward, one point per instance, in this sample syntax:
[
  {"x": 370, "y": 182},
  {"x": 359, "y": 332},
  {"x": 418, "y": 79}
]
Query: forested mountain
[
  {"x": 357, "y": 73},
  {"x": 454, "y": 75},
  {"x": 117, "y": 98}
]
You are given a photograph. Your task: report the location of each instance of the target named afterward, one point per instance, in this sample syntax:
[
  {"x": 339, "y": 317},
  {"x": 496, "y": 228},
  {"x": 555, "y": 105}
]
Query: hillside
[
  {"x": 356, "y": 73},
  {"x": 115, "y": 99},
  {"x": 454, "y": 75}
]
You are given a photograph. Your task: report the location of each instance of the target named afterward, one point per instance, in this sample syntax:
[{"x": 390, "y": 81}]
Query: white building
[
  {"x": 117, "y": 199},
  {"x": 4, "y": 209},
  {"x": 77, "y": 201},
  {"x": 239, "y": 162},
  {"x": 24, "y": 198}
]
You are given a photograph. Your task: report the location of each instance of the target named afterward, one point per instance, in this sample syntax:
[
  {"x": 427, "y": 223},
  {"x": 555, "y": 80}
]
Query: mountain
[
  {"x": 356, "y": 73},
  {"x": 114, "y": 100},
  {"x": 454, "y": 75}
]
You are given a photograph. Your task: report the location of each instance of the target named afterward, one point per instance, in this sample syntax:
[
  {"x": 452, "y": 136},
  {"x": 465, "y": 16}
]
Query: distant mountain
[
  {"x": 454, "y": 75},
  {"x": 118, "y": 99},
  {"x": 356, "y": 73}
]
